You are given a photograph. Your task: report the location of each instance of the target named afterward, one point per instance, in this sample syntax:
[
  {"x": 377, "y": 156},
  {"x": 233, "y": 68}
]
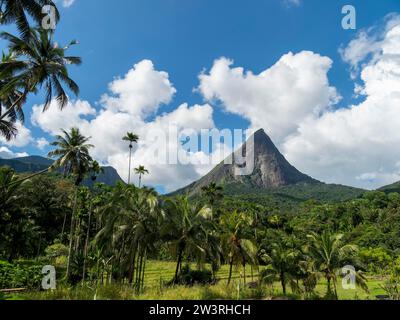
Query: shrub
[
  {"x": 56, "y": 250},
  {"x": 20, "y": 275},
  {"x": 376, "y": 260},
  {"x": 192, "y": 277}
]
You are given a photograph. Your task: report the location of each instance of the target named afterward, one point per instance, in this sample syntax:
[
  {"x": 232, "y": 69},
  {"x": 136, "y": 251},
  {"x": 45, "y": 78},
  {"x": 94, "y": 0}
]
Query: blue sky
[{"x": 185, "y": 37}]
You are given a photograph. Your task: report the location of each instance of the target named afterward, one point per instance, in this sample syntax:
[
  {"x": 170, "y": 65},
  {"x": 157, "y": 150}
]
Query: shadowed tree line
[{"x": 113, "y": 231}]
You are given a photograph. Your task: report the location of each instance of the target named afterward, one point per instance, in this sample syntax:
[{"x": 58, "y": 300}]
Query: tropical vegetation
[{"x": 130, "y": 242}]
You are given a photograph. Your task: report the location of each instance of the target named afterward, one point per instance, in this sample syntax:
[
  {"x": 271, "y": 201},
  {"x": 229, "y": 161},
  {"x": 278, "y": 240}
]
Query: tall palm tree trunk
[
  {"x": 178, "y": 265},
  {"x": 71, "y": 234},
  {"x": 283, "y": 283},
  {"x": 140, "y": 180},
  {"x": 63, "y": 226},
  {"x": 139, "y": 273},
  {"x": 132, "y": 268},
  {"x": 244, "y": 272},
  {"x": 130, "y": 162},
  {"x": 335, "y": 289},
  {"x": 144, "y": 268},
  {"x": 329, "y": 285},
  {"x": 230, "y": 270},
  {"x": 87, "y": 243}
]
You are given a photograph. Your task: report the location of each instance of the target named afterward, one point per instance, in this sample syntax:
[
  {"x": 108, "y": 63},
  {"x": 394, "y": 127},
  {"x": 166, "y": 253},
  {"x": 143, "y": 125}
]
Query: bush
[
  {"x": 20, "y": 275},
  {"x": 192, "y": 277},
  {"x": 56, "y": 250},
  {"x": 376, "y": 260}
]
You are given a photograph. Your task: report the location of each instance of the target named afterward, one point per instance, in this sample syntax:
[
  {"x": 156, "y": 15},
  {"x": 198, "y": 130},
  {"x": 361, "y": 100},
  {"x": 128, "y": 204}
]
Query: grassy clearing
[
  {"x": 158, "y": 273},
  {"x": 161, "y": 271}
]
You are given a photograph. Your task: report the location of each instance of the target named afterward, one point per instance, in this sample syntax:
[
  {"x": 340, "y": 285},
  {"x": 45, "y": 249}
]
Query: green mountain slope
[
  {"x": 273, "y": 176},
  {"x": 394, "y": 187},
  {"x": 34, "y": 164}
]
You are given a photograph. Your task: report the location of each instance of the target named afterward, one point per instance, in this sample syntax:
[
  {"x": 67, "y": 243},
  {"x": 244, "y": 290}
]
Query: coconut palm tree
[
  {"x": 17, "y": 229},
  {"x": 73, "y": 156},
  {"x": 185, "y": 230},
  {"x": 37, "y": 62},
  {"x": 7, "y": 126},
  {"x": 282, "y": 263},
  {"x": 16, "y": 11},
  {"x": 8, "y": 189},
  {"x": 141, "y": 170},
  {"x": 131, "y": 138},
  {"x": 95, "y": 170},
  {"x": 130, "y": 221},
  {"x": 330, "y": 255},
  {"x": 236, "y": 241},
  {"x": 72, "y": 153},
  {"x": 213, "y": 193}
]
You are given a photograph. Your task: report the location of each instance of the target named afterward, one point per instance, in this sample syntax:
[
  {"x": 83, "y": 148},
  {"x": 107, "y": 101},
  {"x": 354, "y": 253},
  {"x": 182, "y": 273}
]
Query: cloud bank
[
  {"x": 132, "y": 99},
  {"x": 292, "y": 100}
]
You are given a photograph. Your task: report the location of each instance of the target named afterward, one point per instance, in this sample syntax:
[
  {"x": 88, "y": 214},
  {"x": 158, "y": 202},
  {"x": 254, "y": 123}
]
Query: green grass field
[{"x": 158, "y": 273}]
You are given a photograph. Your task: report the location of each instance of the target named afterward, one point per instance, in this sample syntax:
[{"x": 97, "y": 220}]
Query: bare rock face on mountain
[{"x": 271, "y": 169}]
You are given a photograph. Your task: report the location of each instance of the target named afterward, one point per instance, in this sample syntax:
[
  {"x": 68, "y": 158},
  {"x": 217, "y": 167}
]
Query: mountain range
[
  {"x": 32, "y": 164},
  {"x": 272, "y": 175}
]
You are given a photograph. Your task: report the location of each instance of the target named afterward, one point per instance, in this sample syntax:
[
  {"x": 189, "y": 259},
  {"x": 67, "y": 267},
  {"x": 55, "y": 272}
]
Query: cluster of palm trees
[
  {"x": 115, "y": 230},
  {"x": 302, "y": 266},
  {"x": 140, "y": 170},
  {"x": 132, "y": 223},
  {"x": 34, "y": 63},
  {"x": 135, "y": 223},
  {"x": 72, "y": 157}
]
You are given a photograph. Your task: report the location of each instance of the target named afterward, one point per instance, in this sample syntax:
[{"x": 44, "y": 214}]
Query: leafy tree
[
  {"x": 46, "y": 200},
  {"x": 9, "y": 197},
  {"x": 376, "y": 260}
]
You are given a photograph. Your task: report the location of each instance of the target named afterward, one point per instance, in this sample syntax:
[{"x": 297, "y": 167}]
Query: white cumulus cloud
[
  {"x": 132, "y": 98},
  {"x": 358, "y": 145},
  {"x": 277, "y": 99},
  {"x": 6, "y": 153},
  {"x": 135, "y": 92},
  {"x": 294, "y": 102},
  {"x": 23, "y": 138}
]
